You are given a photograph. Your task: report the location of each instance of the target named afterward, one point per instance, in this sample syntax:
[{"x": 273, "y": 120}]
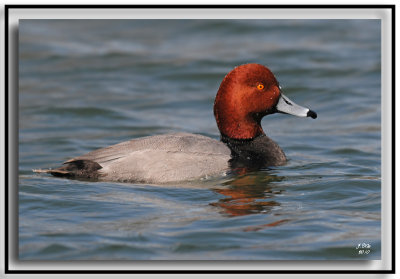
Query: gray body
[{"x": 158, "y": 159}]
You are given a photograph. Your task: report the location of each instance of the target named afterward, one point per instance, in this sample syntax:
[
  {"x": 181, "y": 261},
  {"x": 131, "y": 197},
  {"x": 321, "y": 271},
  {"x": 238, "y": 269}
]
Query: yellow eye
[{"x": 260, "y": 86}]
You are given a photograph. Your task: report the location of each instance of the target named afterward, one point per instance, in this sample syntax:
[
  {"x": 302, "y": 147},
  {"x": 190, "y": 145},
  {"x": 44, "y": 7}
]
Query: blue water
[{"x": 86, "y": 84}]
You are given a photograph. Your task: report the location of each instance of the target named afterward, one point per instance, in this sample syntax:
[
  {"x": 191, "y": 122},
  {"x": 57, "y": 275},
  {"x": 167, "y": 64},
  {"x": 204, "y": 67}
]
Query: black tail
[{"x": 75, "y": 169}]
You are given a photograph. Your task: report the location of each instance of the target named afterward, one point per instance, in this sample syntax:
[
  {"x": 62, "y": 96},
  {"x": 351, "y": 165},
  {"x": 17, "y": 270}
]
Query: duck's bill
[{"x": 285, "y": 105}]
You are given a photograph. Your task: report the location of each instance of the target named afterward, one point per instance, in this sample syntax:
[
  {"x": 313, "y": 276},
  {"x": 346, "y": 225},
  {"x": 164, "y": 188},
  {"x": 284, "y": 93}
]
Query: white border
[{"x": 385, "y": 15}]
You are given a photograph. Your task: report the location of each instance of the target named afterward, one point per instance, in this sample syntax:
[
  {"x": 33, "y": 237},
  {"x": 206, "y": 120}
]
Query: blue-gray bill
[{"x": 285, "y": 105}]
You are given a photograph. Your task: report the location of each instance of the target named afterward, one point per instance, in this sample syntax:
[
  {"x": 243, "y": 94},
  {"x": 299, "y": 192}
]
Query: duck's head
[{"x": 245, "y": 96}]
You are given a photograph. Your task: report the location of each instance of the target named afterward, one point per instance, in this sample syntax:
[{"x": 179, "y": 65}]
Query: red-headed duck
[{"x": 247, "y": 94}]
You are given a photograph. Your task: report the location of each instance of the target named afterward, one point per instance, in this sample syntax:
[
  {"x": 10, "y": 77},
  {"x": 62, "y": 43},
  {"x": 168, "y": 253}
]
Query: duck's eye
[{"x": 260, "y": 86}]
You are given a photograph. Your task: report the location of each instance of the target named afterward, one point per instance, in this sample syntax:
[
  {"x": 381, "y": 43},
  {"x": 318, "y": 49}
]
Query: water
[{"x": 86, "y": 84}]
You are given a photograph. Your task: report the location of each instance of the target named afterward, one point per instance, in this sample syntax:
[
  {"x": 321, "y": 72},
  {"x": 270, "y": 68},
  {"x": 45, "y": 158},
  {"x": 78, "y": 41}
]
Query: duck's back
[{"x": 154, "y": 159}]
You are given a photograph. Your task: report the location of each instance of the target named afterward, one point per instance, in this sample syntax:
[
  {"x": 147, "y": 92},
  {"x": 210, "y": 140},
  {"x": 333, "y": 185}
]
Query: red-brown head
[{"x": 245, "y": 96}]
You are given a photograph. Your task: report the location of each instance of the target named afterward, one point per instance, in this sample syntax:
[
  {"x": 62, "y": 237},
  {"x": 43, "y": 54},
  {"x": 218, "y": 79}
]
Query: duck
[{"x": 246, "y": 94}]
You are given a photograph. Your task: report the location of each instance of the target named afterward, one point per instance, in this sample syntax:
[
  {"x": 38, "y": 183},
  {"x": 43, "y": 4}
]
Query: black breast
[{"x": 259, "y": 152}]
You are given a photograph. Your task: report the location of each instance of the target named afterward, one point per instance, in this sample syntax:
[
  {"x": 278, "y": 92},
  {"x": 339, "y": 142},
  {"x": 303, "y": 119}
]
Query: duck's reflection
[{"x": 248, "y": 194}]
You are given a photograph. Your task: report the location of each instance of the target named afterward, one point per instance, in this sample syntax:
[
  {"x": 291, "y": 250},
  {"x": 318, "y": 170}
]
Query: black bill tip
[{"x": 311, "y": 114}]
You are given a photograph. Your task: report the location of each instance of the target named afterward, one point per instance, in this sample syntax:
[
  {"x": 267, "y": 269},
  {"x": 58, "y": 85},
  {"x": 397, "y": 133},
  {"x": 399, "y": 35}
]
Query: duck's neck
[
  {"x": 240, "y": 127},
  {"x": 237, "y": 141}
]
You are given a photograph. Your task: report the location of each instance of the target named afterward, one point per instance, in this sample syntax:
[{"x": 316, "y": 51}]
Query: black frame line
[{"x": 6, "y": 140}]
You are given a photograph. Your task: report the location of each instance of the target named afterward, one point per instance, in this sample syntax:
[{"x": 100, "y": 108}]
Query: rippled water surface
[{"x": 86, "y": 84}]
